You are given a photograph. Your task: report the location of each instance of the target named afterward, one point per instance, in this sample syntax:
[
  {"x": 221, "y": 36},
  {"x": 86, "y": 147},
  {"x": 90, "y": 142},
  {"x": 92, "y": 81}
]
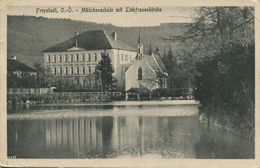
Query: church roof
[
  {"x": 155, "y": 62},
  {"x": 91, "y": 40}
]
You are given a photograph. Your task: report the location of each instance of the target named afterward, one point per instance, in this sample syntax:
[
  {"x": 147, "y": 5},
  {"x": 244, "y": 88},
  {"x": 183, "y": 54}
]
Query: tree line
[{"x": 216, "y": 58}]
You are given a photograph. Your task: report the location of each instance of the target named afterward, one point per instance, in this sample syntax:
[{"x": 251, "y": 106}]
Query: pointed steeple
[
  {"x": 140, "y": 47},
  {"x": 139, "y": 36}
]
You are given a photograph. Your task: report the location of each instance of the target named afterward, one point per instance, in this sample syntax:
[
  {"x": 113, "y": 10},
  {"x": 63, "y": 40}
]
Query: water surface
[{"x": 119, "y": 131}]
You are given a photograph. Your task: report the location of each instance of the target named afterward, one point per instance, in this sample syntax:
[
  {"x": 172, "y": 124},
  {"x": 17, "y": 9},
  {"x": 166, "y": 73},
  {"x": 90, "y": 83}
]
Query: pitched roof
[
  {"x": 91, "y": 40},
  {"x": 155, "y": 62},
  {"x": 15, "y": 65}
]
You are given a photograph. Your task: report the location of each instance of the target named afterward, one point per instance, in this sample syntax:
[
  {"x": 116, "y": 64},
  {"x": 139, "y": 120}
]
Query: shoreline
[
  {"x": 125, "y": 103},
  {"x": 214, "y": 123},
  {"x": 118, "y": 109}
]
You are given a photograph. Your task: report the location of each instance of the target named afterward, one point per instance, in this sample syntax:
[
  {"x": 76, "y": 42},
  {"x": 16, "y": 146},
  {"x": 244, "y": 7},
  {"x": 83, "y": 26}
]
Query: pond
[{"x": 122, "y": 130}]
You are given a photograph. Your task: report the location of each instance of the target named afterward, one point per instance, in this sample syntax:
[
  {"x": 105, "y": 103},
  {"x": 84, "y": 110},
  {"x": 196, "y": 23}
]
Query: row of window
[
  {"x": 72, "y": 70},
  {"x": 81, "y": 57},
  {"x": 72, "y": 58},
  {"x": 125, "y": 57}
]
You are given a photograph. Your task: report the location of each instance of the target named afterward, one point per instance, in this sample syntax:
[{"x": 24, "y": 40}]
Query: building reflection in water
[
  {"x": 116, "y": 136},
  {"x": 81, "y": 136}
]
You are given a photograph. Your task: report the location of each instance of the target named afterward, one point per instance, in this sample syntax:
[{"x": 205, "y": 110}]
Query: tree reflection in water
[{"x": 120, "y": 136}]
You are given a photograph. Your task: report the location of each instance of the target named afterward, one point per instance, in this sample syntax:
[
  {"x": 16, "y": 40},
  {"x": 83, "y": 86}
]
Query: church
[
  {"x": 145, "y": 71},
  {"x": 76, "y": 59}
]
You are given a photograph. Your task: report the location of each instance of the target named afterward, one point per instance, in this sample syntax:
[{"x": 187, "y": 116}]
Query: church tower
[{"x": 140, "y": 48}]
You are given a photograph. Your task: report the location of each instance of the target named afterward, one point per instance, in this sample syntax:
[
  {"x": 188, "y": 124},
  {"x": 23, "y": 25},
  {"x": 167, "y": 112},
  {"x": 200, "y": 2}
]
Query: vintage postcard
[{"x": 129, "y": 83}]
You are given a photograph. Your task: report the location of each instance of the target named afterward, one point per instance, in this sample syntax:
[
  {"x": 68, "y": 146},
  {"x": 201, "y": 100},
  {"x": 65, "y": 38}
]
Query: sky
[{"x": 124, "y": 19}]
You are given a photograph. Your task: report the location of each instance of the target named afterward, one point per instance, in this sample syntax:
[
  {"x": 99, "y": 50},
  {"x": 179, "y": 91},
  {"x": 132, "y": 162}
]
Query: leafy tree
[
  {"x": 223, "y": 37},
  {"x": 168, "y": 60},
  {"x": 216, "y": 28},
  {"x": 228, "y": 89},
  {"x": 27, "y": 80},
  {"x": 150, "y": 49},
  {"x": 105, "y": 70},
  {"x": 12, "y": 80},
  {"x": 180, "y": 75},
  {"x": 24, "y": 80},
  {"x": 40, "y": 75},
  {"x": 157, "y": 50},
  {"x": 170, "y": 65},
  {"x": 48, "y": 78}
]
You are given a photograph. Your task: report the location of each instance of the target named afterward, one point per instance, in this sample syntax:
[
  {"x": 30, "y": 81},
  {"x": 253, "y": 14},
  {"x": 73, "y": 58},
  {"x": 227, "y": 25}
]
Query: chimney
[
  {"x": 76, "y": 39},
  {"x": 13, "y": 57},
  {"x": 114, "y": 36}
]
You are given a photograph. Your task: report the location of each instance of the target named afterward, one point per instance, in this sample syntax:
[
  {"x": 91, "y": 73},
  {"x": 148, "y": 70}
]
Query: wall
[
  {"x": 122, "y": 60},
  {"x": 119, "y": 59},
  {"x": 14, "y": 91},
  {"x": 149, "y": 76}
]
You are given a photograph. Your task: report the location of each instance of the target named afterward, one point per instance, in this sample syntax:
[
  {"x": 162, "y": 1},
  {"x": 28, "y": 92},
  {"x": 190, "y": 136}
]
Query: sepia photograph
[{"x": 130, "y": 82}]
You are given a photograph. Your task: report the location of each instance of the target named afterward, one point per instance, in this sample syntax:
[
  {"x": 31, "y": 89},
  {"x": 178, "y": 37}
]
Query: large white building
[{"x": 76, "y": 58}]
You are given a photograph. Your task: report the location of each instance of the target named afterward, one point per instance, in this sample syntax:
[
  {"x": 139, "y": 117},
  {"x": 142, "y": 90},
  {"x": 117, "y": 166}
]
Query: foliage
[
  {"x": 42, "y": 76},
  {"x": 161, "y": 92},
  {"x": 155, "y": 79},
  {"x": 150, "y": 49},
  {"x": 23, "y": 80},
  {"x": 224, "y": 37},
  {"x": 105, "y": 70},
  {"x": 180, "y": 73},
  {"x": 229, "y": 84},
  {"x": 157, "y": 50}
]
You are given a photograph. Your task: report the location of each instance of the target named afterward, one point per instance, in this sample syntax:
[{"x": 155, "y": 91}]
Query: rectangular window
[
  {"x": 71, "y": 71},
  {"x": 89, "y": 69},
  {"x": 95, "y": 57},
  {"x": 66, "y": 58},
  {"x": 66, "y": 70},
  {"x": 83, "y": 70},
  {"x": 89, "y": 57},
  {"x": 77, "y": 56},
  {"x": 54, "y": 58},
  {"x": 60, "y": 70},
  {"x": 83, "y": 57},
  {"x": 54, "y": 71},
  {"x": 60, "y": 58},
  {"x": 71, "y": 58},
  {"x": 49, "y": 58},
  {"x": 122, "y": 57},
  {"x": 77, "y": 70}
]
